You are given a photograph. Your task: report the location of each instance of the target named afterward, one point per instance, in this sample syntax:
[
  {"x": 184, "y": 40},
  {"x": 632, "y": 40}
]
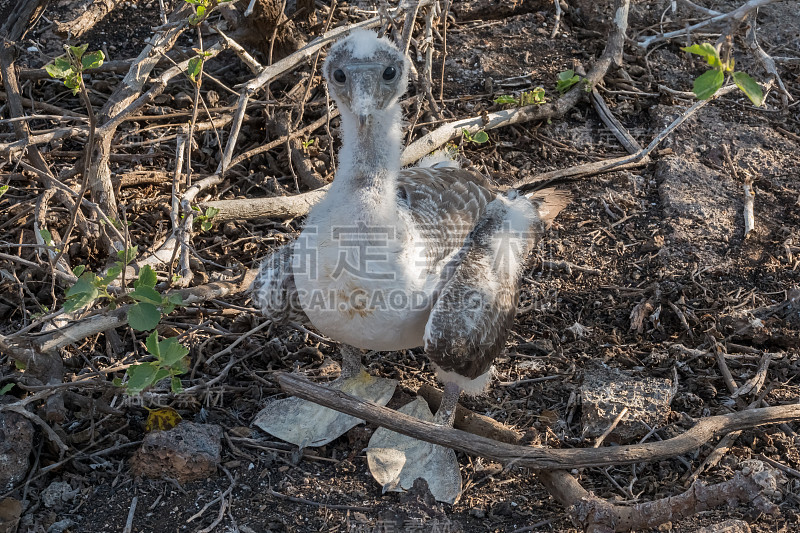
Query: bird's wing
[
  {"x": 469, "y": 322},
  {"x": 274, "y": 290},
  {"x": 445, "y": 204}
]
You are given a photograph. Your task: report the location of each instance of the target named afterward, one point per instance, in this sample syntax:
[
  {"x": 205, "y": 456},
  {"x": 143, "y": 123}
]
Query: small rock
[
  {"x": 57, "y": 494},
  {"x": 10, "y": 511},
  {"x": 187, "y": 452},
  {"x": 606, "y": 392},
  {"x": 728, "y": 526},
  {"x": 61, "y": 526},
  {"x": 182, "y": 100},
  {"x": 16, "y": 443}
]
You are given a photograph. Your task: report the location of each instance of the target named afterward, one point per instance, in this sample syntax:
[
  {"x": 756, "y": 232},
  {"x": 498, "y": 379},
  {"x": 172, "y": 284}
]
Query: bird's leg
[
  {"x": 446, "y": 414},
  {"x": 351, "y": 361}
]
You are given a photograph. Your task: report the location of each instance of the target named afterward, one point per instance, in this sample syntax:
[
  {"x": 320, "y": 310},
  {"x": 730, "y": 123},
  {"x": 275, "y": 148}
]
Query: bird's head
[{"x": 366, "y": 75}]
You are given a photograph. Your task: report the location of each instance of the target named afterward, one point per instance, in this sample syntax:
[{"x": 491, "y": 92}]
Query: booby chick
[{"x": 397, "y": 258}]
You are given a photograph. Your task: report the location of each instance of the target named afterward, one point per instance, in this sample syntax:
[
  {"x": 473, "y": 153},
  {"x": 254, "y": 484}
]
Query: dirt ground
[{"x": 667, "y": 237}]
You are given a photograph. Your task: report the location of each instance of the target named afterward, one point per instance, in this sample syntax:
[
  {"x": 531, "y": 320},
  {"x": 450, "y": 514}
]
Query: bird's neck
[{"x": 369, "y": 160}]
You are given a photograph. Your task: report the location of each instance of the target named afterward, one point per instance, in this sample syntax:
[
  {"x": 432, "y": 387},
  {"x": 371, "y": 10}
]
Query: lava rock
[
  {"x": 607, "y": 391},
  {"x": 187, "y": 452},
  {"x": 16, "y": 443}
]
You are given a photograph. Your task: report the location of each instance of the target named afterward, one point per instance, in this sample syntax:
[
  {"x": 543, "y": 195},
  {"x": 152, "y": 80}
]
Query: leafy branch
[
  {"x": 205, "y": 218},
  {"x": 479, "y": 137},
  {"x": 534, "y": 97},
  {"x": 711, "y": 80},
  {"x": 566, "y": 80},
  {"x": 71, "y": 66},
  {"x": 171, "y": 361}
]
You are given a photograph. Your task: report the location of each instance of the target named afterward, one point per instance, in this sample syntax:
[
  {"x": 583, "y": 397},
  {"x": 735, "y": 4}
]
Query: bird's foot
[
  {"x": 396, "y": 460},
  {"x": 307, "y": 424}
]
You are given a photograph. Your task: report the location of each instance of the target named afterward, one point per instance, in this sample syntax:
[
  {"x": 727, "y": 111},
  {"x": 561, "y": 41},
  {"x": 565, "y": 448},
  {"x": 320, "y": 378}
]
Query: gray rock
[
  {"x": 607, "y": 391},
  {"x": 16, "y": 443}
]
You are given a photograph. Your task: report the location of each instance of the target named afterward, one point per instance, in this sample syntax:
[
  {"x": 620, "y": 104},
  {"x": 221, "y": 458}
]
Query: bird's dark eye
[
  {"x": 339, "y": 76},
  {"x": 389, "y": 73}
]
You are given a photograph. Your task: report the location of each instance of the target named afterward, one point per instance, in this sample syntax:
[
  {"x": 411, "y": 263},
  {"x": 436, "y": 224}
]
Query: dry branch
[
  {"x": 595, "y": 515},
  {"x": 737, "y": 14},
  {"x": 537, "y": 458},
  {"x": 86, "y": 20},
  {"x": 281, "y": 207}
]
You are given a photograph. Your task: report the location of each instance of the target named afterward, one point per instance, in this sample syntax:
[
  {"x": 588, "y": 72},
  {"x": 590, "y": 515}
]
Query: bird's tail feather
[{"x": 549, "y": 203}]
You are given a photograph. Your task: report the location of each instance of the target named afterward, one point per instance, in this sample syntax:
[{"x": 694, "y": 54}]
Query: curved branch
[{"x": 536, "y": 458}]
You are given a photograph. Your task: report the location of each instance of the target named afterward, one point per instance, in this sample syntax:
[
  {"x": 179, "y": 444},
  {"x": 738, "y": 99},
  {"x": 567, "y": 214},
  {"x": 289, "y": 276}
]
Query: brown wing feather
[
  {"x": 274, "y": 290},
  {"x": 445, "y": 204},
  {"x": 469, "y": 323}
]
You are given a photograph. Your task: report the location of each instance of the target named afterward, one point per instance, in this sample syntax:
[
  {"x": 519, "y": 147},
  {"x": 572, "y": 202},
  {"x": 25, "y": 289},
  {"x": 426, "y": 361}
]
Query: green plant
[
  {"x": 47, "y": 237},
  {"x": 711, "y": 80},
  {"x": 307, "y": 144},
  {"x": 144, "y": 314},
  {"x": 566, "y": 80},
  {"x": 195, "y": 66},
  {"x": 7, "y": 387},
  {"x": 534, "y": 97},
  {"x": 205, "y": 218},
  {"x": 71, "y": 66},
  {"x": 3, "y": 189},
  {"x": 479, "y": 137},
  {"x": 148, "y": 304},
  {"x": 170, "y": 361},
  {"x": 202, "y": 8}
]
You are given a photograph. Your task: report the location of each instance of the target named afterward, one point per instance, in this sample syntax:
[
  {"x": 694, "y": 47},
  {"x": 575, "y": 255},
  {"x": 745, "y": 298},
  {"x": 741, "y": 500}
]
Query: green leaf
[
  {"x": 211, "y": 212},
  {"x": 3, "y": 189},
  {"x": 705, "y": 50},
  {"x": 126, "y": 256},
  {"x": 195, "y": 65},
  {"x": 152, "y": 344},
  {"x": 111, "y": 274},
  {"x": 177, "y": 386},
  {"x": 205, "y": 225},
  {"x": 480, "y": 137},
  {"x": 83, "y": 293},
  {"x": 201, "y": 11},
  {"x": 172, "y": 351},
  {"x": 78, "y": 51},
  {"x": 506, "y": 99},
  {"x": 92, "y": 59},
  {"x": 78, "y": 270},
  {"x": 146, "y": 295},
  {"x": 117, "y": 382},
  {"x": 143, "y": 316},
  {"x": 161, "y": 374},
  {"x": 708, "y": 83},
  {"x": 8, "y": 386},
  {"x": 47, "y": 237},
  {"x": 147, "y": 278},
  {"x": 141, "y": 376},
  {"x": 749, "y": 87},
  {"x": 566, "y": 79},
  {"x": 59, "y": 68},
  {"x": 175, "y": 298},
  {"x": 72, "y": 81}
]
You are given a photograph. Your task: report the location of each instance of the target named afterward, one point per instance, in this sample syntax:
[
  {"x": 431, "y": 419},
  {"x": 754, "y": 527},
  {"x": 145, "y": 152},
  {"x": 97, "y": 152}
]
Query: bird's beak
[{"x": 363, "y": 121}]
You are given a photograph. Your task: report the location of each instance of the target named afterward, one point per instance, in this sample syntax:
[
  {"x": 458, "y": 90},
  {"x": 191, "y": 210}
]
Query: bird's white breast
[{"x": 364, "y": 282}]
